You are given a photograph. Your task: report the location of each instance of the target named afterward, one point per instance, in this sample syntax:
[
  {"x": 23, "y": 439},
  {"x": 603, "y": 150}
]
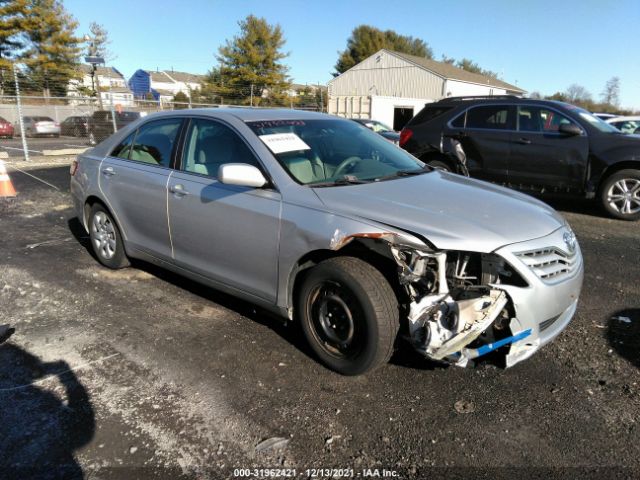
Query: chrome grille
[{"x": 550, "y": 264}]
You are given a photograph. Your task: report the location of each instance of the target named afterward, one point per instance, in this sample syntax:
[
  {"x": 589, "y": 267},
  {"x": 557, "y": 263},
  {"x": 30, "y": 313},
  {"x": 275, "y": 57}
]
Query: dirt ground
[{"x": 140, "y": 373}]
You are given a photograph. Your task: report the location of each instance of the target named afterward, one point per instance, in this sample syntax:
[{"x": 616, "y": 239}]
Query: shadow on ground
[
  {"x": 41, "y": 429},
  {"x": 624, "y": 334}
]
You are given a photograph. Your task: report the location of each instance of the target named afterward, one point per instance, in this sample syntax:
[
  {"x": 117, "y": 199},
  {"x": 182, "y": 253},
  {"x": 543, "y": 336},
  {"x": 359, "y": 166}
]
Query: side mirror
[
  {"x": 570, "y": 129},
  {"x": 241, "y": 174}
]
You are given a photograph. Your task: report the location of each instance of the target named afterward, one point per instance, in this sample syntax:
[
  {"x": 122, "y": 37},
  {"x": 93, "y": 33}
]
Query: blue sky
[{"x": 539, "y": 45}]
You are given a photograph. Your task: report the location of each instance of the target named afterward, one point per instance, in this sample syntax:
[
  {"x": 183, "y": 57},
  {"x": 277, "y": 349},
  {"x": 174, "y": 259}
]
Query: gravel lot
[{"x": 140, "y": 373}]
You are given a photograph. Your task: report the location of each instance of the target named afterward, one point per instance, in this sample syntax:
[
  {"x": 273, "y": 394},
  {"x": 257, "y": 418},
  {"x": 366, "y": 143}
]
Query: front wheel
[
  {"x": 349, "y": 315},
  {"x": 620, "y": 194},
  {"x": 106, "y": 240}
]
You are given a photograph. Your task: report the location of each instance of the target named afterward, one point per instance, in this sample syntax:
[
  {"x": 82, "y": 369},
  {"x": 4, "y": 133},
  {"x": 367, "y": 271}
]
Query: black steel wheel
[{"x": 349, "y": 315}]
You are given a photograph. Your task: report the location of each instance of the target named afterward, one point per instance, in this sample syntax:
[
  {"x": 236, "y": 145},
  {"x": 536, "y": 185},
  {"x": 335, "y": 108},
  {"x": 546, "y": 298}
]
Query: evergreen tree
[
  {"x": 251, "y": 63},
  {"x": 180, "y": 100},
  {"x": 12, "y": 39},
  {"x": 366, "y": 40},
  {"x": 98, "y": 43},
  {"x": 52, "y": 51}
]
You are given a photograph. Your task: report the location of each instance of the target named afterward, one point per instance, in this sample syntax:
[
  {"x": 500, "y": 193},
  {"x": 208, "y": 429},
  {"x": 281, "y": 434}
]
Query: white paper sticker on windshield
[{"x": 284, "y": 142}]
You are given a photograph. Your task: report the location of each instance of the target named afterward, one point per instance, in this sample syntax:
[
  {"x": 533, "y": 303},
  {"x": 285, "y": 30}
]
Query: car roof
[
  {"x": 622, "y": 118},
  {"x": 501, "y": 99},
  {"x": 248, "y": 114}
]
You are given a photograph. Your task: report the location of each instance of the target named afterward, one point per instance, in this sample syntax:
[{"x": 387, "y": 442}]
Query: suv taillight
[
  {"x": 74, "y": 168},
  {"x": 405, "y": 135}
]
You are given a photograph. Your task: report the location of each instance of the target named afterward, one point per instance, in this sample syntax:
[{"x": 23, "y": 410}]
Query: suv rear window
[
  {"x": 429, "y": 113},
  {"x": 490, "y": 117}
]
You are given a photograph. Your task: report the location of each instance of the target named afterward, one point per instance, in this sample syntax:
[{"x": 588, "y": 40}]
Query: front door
[
  {"x": 134, "y": 180},
  {"x": 541, "y": 156},
  {"x": 225, "y": 232}
]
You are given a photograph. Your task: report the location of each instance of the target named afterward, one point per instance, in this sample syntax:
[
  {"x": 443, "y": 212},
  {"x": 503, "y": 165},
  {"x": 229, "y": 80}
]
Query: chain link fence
[{"x": 48, "y": 115}]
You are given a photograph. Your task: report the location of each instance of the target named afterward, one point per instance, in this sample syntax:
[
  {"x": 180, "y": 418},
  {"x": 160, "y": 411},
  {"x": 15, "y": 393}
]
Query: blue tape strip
[{"x": 490, "y": 347}]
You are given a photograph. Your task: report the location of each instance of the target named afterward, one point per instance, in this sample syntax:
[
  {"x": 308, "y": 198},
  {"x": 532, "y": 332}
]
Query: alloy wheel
[
  {"x": 103, "y": 235},
  {"x": 624, "y": 196}
]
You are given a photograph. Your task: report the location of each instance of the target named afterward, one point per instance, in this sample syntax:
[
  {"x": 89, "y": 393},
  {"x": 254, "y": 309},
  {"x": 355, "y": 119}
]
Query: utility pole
[
  {"x": 251, "y": 95},
  {"x": 19, "y": 104},
  {"x": 321, "y": 100}
]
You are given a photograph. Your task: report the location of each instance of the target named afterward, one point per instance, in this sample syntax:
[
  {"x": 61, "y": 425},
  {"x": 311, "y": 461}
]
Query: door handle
[
  {"x": 524, "y": 141},
  {"x": 108, "y": 171},
  {"x": 178, "y": 190}
]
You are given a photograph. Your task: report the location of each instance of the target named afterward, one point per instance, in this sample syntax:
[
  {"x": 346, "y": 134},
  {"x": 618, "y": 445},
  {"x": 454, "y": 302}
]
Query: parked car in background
[
  {"x": 605, "y": 116},
  {"x": 629, "y": 124},
  {"x": 324, "y": 222},
  {"x": 76, "y": 126},
  {"x": 102, "y": 124},
  {"x": 40, "y": 126},
  {"x": 6, "y": 129},
  {"x": 534, "y": 145},
  {"x": 380, "y": 128}
]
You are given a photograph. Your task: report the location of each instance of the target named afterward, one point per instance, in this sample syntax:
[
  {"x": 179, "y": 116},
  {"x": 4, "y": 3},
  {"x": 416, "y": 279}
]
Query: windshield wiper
[
  {"x": 346, "y": 180},
  {"x": 404, "y": 173}
]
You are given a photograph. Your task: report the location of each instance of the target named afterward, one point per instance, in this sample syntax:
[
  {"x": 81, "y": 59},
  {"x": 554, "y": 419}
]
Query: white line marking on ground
[
  {"x": 32, "y": 176},
  {"x": 71, "y": 145},
  {"x": 59, "y": 374},
  {"x": 22, "y": 150}
]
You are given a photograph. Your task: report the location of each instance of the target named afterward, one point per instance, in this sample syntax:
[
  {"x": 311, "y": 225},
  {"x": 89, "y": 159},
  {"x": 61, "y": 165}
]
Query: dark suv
[
  {"x": 536, "y": 145},
  {"x": 101, "y": 124}
]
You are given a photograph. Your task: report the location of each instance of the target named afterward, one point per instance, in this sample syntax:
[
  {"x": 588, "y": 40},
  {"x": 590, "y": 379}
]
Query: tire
[
  {"x": 440, "y": 165},
  {"x": 105, "y": 238},
  {"x": 617, "y": 202},
  {"x": 366, "y": 307}
]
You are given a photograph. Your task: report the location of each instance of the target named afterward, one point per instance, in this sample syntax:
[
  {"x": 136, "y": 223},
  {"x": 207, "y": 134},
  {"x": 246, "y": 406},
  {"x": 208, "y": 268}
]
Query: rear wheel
[
  {"x": 440, "y": 165},
  {"x": 106, "y": 240},
  {"x": 349, "y": 315},
  {"x": 620, "y": 194}
]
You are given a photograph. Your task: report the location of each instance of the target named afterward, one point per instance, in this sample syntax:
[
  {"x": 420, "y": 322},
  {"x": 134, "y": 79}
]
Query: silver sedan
[{"x": 326, "y": 223}]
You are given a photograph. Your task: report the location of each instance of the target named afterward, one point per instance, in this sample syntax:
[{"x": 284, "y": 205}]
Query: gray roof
[
  {"x": 159, "y": 77},
  {"x": 109, "y": 72},
  {"x": 184, "y": 76},
  {"x": 449, "y": 71}
]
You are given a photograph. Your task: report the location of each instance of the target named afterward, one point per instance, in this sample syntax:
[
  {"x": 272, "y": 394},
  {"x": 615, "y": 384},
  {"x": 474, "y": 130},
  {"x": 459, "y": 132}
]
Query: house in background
[
  {"x": 392, "y": 87},
  {"x": 163, "y": 85},
  {"x": 107, "y": 80}
]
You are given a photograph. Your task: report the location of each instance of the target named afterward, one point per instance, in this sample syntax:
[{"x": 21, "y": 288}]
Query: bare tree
[
  {"x": 577, "y": 93},
  {"x": 611, "y": 93}
]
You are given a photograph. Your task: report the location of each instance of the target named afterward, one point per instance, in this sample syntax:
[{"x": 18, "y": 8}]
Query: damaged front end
[{"x": 457, "y": 310}]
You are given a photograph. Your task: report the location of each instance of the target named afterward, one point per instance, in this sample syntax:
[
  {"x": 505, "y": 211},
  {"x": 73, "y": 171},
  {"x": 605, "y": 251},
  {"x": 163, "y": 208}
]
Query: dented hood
[{"x": 451, "y": 211}]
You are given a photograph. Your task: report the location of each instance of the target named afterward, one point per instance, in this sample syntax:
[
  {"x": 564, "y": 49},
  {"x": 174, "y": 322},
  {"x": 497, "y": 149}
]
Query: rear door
[
  {"x": 541, "y": 156},
  {"x": 134, "y": 181},
  {"x": 484, "y": 132},
  {"x": 227, "y": 233}
]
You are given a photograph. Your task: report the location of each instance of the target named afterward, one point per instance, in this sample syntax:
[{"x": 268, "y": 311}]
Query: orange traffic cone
[{"x": 6, "y": 187}]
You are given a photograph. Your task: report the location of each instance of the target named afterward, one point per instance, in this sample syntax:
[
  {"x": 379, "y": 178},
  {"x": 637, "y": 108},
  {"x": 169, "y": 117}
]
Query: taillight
[
  {"x": 74, "y": 168},
  {"x": 405, "y": 135}
]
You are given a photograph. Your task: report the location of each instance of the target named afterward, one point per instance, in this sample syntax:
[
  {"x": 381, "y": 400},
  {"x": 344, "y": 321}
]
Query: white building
[
  {"x": 107, "y": 80},
  {"x": 168, "y": 83},
  {"x": 392, "y": 87}
]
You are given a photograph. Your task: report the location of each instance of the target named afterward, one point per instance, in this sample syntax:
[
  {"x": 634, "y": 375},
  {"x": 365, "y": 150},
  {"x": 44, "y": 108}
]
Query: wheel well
[
  {"x": 616, "y": 167},
  {"x": 430, "y": 156},
  {"x": 373, "y": 251}
]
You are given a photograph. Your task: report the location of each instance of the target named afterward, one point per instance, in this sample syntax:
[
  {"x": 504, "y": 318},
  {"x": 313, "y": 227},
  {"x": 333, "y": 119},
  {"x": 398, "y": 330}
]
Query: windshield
[
  {"x": 594, "y": 121},
  {"x": 330, "y": 152}
]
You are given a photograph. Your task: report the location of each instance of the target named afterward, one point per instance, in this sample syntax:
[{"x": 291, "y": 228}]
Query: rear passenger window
[
  {"x": 154, "y": 142},
  {"x": 124, "y": 148},
  {"x": 428, "y": 113},
  {"x": 211, "y": 144},
  {"x": 490, "y": 117},
  {"x": 458, "y": 122}
]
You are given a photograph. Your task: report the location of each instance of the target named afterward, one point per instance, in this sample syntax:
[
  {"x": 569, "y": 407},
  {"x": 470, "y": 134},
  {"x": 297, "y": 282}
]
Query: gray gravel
[{"x": 140, "y": 373}]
